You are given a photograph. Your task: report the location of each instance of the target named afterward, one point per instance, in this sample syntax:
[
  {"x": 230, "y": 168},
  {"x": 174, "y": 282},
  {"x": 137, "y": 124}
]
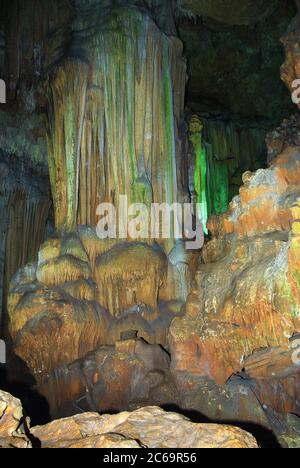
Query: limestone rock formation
[
  {"x": 12, "y": 423},
  {"x": 126, "y": 71},
  {"x": 246, "y": 296},
  {"x": 79, "y": 296},
  {"x": 114, "y": 88},
  {"x": 24, "y": 207},
  {"x": 284, "y": 136},
  {"x": 290, "y": 70},
  {"x": 112, "y": 378},
  {"x": 94, "y": 319},
  {"x": 148, "y": 427}
]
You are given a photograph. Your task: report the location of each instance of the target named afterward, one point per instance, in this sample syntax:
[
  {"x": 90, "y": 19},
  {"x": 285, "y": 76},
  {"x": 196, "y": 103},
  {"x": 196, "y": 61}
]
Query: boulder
[
  {"x": 13, "y": 424},
  {"x": 150, "y": 427}
]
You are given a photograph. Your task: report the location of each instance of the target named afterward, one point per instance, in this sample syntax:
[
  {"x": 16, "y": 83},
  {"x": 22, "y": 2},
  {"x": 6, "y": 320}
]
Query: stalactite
[
  {"x": 119, "y": 288},
  {"x": 223, "y": 150},
  {"x": 200, "y": 173},
  {"x": 233, "y": 146},
  {"x": 68, "y": 95},
  {"x": 27, "y": 40},
  {"x": 121, "y": 137},
  {"x": 24, "y": 211}
]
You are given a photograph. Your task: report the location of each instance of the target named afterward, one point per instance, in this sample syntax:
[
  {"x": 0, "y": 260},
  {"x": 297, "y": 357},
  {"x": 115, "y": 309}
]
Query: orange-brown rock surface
[
  {"x": 290, "y": 70},
  {"x": 12, "y": 423},
  {"x": 247, "y": 288},
  {"x": 69, "y": 311},
  {"x": 148, "y": 427},
  {"x": 112, "y": 378},
  {"x": 84, "y": 293}
]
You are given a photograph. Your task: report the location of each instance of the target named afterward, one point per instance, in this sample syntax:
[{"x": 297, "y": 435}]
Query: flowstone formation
[
  {"x": 121, "y": 377},
  {"x": 243, "y": 313},
  {"x": 116, "y": 104}
]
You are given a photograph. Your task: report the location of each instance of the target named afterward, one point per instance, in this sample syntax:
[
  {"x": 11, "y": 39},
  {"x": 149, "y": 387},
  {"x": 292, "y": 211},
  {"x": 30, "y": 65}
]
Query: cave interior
[{"x": 186, "y": 102}]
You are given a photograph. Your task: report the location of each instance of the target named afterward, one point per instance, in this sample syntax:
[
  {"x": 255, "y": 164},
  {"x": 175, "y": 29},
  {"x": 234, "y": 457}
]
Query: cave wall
[
  {"x": 25, "y": 190},
  {"x": 24, "y": 211}
]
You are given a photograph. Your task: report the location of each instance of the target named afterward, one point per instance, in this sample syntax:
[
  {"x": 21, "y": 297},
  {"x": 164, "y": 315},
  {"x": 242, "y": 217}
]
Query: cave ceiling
[
  {"x": 234, "y": 56},
  {"x": 235, "y": 12}
]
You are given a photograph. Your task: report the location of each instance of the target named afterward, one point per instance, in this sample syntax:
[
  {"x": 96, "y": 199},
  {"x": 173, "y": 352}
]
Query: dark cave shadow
[
  {"x": 265, "y": 437},
  {"x": 35, "y": 405}
]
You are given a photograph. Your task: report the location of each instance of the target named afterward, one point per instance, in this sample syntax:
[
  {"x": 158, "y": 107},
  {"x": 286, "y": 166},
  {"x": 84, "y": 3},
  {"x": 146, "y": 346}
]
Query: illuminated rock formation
[
  {"x": 73, "y": 300},
  {"x": 151, "y": 427},
  {"x": 247, "y": 293},
  {"x": 112, "y": 378},
  {"x": 12, "y": 423},
  {"x": 94, "y": 319},
  {"x": 200, "y": 171},
  {"x": 221, "y": 151},
  {"x": 115, "y": 106}
]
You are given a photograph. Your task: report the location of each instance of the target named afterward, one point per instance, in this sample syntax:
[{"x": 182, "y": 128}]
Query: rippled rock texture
[
  {"x": 80, "y": 296},
  {"x": 94, "y": 319},
  {"x": 101, "y": 95},
  {"x": 113, "y": 378}
]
